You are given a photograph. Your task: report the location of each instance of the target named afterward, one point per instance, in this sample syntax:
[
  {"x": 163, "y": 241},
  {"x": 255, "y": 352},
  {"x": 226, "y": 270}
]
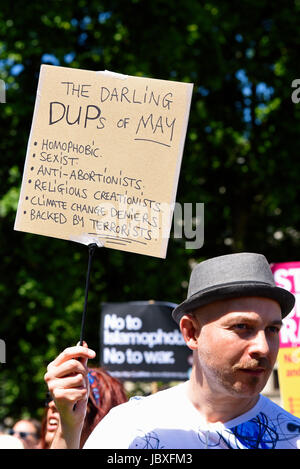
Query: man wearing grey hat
[{"x": 231, "y": 321}]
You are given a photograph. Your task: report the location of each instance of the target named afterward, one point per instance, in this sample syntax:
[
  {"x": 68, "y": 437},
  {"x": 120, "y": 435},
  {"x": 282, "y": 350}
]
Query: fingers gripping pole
[{"x": 92, "y": 247}]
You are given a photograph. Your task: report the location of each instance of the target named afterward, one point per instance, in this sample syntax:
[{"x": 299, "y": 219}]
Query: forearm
[{"x": 66, "y": 438}]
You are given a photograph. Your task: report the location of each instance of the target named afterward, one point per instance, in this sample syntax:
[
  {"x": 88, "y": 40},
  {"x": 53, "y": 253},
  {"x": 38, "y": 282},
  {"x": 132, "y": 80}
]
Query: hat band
[{"x": 242, "y": 283}]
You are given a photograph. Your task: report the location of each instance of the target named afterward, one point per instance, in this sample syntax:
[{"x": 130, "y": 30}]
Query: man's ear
[{"x": 190, "y": 330}]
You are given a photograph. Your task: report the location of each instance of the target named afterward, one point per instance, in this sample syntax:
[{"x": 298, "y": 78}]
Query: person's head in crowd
[
  {"x": 28, "y": 431},
  {"x": 49, "y": 423},
  {"x": 106, "y": 392}
]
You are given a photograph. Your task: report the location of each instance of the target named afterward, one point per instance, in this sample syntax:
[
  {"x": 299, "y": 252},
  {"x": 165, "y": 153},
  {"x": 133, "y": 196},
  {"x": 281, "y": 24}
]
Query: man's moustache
[{"x": 253, "y": 364}]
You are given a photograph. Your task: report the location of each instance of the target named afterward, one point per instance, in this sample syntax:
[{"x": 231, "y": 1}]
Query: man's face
[
  {"x": 238, "y": 344},
  {"x": 26, "y": 432}
]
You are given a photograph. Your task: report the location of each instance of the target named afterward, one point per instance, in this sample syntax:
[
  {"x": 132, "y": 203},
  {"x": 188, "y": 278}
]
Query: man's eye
[
  {"x": 241, "y": 326},
  {"x": 274, "y": 329}
]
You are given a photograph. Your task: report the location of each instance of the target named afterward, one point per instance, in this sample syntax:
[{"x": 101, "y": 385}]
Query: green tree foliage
[{"x": 241, "y": 156}]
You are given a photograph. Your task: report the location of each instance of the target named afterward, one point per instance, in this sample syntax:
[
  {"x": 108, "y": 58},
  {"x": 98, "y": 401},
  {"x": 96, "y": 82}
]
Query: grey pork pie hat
[{"x": 233, "y": 276}]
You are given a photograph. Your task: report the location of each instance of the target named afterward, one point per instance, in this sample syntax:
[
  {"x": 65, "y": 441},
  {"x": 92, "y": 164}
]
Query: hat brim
[{"x": 285, "y": 299}]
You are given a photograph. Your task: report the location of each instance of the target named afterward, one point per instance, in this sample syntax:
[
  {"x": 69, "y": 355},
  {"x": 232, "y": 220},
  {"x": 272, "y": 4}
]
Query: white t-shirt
[{"x": 168, "y": 420}]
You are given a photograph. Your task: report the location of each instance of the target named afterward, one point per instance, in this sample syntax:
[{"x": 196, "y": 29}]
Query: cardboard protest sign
[
  {"x": 139, "y": 341},
  {"x": 287, "y": 275},
  {"x": 103, "y": 159}
]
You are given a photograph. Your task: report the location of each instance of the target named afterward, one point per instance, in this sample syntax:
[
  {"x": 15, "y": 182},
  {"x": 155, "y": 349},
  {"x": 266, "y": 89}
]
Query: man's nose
[{"x": 259, "y": 345}]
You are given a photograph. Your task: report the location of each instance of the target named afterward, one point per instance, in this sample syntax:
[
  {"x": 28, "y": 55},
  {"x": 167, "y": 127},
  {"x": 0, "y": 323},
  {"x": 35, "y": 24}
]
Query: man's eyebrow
[
  {"x": 277, "y": 322},
  {"x": 245, "y": 318}
]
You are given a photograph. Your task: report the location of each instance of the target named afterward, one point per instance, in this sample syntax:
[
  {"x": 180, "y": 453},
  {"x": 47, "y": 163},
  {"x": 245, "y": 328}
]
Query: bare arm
[{"x": 68, "y": 384}]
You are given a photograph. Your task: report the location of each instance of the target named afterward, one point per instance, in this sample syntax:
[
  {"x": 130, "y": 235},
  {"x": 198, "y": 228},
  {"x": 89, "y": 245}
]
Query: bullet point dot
[
  {"x": 33, "y": 155},
  {"x": 35, "y": 143},
  {"x": 29, "y": 181},
  {"x": 24, "y": 212},
  {"x": 26, "y": 198},
  {"x": 32, "y": 168}
]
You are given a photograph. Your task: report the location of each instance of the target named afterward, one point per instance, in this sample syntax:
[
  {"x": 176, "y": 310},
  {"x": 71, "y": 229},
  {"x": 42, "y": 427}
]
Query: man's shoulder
[
  {"x": 265, "y": 426},
  {"x": 266, "y": 412},
  {"x": 273, "y": 408},
  {"x": 159, "y": 407},
  {"x": 167, "y": 397}
]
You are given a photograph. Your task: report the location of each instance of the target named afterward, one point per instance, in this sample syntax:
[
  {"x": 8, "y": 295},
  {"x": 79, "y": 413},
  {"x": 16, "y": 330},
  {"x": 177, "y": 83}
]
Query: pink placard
[{"x": 287, "y": 275}]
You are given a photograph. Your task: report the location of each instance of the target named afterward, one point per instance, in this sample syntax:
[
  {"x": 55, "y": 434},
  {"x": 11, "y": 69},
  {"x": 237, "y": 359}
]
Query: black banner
[{"x": 140, "y": 341}]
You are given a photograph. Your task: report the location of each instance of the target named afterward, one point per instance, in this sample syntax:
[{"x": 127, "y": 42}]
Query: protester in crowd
[
  {"x": 231, "y": 321},
  {"x": 28, "y": 431},
  {"x": 105, "y": 393},
  {"x": 50, "y": 423}
]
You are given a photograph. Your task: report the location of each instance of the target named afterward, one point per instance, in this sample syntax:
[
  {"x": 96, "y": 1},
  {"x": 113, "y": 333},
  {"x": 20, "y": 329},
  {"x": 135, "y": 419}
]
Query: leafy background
[{"x": 241, "y": 157}]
